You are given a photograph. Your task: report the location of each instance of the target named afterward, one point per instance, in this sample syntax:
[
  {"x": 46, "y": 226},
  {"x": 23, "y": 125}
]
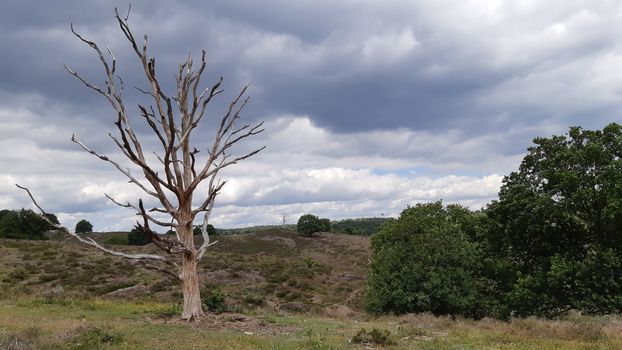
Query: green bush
[
  {"x": 214, "y": 301},
  {"x": 136, "y": 237},
  {"x": 115, "y": 239},
  {"x": 591, "y": 285},
  {"x": 309, "y": 224},
  {"x": 424, "y": 262}
]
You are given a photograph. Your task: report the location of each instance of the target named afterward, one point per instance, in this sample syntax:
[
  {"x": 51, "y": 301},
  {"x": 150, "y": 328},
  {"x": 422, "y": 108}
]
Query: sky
[{"x": 369, "y": 106}]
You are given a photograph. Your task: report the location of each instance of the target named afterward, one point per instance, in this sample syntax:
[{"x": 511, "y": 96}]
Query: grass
[
  {"x": 94, "y": 323},
  {"x": 278, "y": 291}
]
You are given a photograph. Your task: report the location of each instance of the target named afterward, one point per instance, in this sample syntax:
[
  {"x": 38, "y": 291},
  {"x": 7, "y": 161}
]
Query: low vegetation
[{"x": 269, "y": 290}]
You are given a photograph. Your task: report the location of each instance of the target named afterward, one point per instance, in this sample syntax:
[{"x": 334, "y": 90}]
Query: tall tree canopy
[{"x": 558, "y": 220}]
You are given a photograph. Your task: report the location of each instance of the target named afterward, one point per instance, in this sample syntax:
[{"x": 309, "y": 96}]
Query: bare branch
[
  {"x": 116, "y": 165},
  {"x": 91, "y": 242},
  {"x": 126, "y": 205}
]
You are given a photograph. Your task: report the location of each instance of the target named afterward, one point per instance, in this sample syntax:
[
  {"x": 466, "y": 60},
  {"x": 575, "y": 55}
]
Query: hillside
[{"x": 272, "y": 268}]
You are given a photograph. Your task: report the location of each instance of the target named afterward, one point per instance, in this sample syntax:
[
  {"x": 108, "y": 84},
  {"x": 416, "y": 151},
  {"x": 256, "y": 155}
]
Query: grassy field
[{"x": 282, "y": 292}]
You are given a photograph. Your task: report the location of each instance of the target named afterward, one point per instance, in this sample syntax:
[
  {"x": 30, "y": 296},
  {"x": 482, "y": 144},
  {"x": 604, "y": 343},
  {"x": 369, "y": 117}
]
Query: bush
[
  {"x": 215, "y": 301},
  {"x": 136, "y": 237},
  {"x": 309, "y": 224},
  {"x": 375, "y": 336},
  {"x": 424, "y": 262},
  {"x": 115, "y": 239},
  {"x": 83, "y": 226},
  {"x": 590, "y": 285}
]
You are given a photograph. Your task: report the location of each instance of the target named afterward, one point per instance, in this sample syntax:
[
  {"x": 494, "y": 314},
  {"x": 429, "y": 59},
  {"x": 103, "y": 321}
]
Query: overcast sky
[{"x": 368, "y": 105}]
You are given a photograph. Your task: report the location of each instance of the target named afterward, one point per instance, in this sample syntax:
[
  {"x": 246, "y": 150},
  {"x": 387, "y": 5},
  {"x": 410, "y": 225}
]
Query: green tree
[
  {"x": 309, "y": 224},
  {"x": 424, "y": 262},
  {"x": 83, "y": 226},
  {"x": 23, "y": 224},
  {"x": 559, "y": 216}
]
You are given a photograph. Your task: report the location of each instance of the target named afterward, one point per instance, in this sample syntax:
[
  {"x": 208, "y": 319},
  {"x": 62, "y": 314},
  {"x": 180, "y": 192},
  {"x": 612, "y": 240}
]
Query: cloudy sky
[{"x": 368, "y": 105}]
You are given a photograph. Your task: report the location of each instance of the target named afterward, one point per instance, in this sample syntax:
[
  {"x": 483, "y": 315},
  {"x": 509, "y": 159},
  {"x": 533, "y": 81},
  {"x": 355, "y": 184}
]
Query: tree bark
[{"x": 193, "y": 308}]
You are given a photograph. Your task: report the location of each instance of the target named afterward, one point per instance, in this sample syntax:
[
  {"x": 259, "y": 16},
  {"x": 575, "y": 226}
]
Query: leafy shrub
[
  {"x": 590, "y": 285},
  {"x": 115, "y": 239},
  {"x": 309, "y": 224},
  {"x": 215, "y": 301},
  {"x": 136, "y": 237},
  {"x": 424, "y": 262}
]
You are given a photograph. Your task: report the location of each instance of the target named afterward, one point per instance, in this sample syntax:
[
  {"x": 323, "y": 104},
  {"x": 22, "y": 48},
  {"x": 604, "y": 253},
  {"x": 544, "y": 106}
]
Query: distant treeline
[{"x": 360, "y": 226}]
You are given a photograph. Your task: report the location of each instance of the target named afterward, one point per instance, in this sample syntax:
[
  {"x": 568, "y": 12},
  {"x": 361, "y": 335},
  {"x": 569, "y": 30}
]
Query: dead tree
[{"x": 174, "y": 178}]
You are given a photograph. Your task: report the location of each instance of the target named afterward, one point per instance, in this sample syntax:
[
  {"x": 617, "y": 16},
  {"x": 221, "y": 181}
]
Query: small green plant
[
  {"x": 215, "y": 301},
  {"x": 315, "y": 341},
  {"x": 375, "y": 336},
  {"x": 309, "y": 262}
]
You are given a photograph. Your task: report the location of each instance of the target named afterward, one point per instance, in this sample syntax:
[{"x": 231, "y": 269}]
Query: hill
[{"x": 272, "y": 268}]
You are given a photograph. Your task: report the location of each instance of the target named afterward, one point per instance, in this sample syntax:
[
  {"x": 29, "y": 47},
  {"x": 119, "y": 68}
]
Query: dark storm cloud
[{"x": 350, "y": 66}]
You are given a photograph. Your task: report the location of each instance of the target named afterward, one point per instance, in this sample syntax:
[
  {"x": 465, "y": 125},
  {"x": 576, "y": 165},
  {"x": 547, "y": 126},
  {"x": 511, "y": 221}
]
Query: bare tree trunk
[{"x": 193, "y": 308}]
